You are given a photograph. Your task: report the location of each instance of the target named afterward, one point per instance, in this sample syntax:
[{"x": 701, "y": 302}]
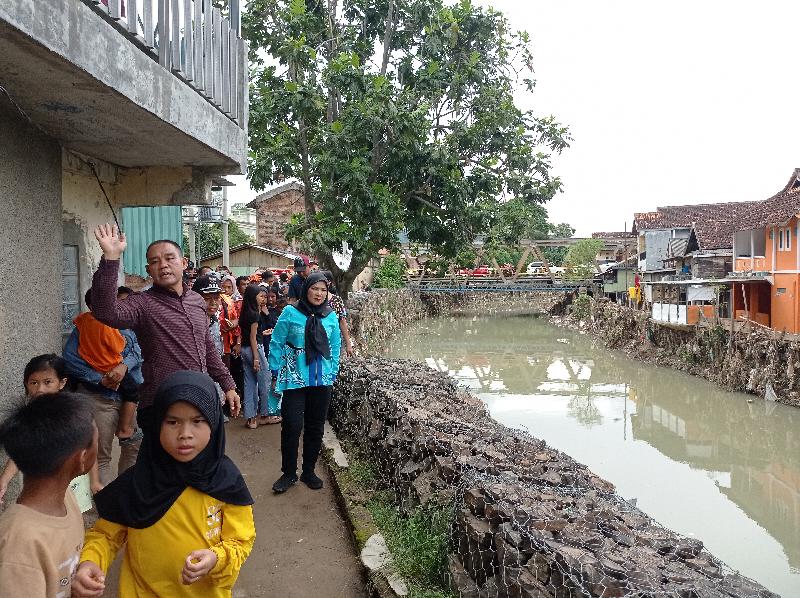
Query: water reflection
[{"x": 700, "y": 460}]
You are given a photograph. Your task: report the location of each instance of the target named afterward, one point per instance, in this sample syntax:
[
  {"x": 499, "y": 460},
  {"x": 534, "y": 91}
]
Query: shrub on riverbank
[
  {"x": 390, "y": 273},
  {"x": 417, "y": 538}
]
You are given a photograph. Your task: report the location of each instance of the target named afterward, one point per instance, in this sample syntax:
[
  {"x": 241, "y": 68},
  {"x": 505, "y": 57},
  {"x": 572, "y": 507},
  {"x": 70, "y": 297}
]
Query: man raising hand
[{"x": 169, "y": 319}]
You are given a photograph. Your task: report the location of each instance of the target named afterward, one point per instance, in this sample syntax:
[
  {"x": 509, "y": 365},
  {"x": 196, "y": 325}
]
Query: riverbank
[
  {"x": 434, "y": 443},
  {"x": 749, "y": 359},
  {"x": 528, "y": 520}
]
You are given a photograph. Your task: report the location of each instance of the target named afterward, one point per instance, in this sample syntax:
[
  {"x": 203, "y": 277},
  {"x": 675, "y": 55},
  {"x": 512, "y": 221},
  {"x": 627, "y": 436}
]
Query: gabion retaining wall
[{"x": 529, "y": 520}]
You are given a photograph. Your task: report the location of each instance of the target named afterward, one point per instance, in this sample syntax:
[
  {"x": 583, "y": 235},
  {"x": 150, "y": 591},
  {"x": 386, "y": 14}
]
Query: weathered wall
[
  {"x": 529, "y": 521},
  {"x": 31, "y": 253},
  {"x": 753, "y": 358},
  {"x": 272, "y": 216},
  {"x": 84, "y": 205},
  {"x": 31, "y": 242}
]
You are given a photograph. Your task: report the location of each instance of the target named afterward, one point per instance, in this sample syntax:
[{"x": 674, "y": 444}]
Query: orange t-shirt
[{"x": 99, "y": 345}]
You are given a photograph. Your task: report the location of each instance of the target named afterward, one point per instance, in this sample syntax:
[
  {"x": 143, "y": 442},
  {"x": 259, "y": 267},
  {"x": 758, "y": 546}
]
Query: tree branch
[{"x": 387, "y": 37}]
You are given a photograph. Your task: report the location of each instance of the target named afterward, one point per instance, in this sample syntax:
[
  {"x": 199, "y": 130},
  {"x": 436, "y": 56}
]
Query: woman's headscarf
[
  {"x": 236, "y": 296},
  {"x": 141, "y": 496},
  {"x": 316, "y": 338}
]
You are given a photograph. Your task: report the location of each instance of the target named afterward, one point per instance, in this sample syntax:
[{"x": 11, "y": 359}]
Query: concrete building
[
  {"x": 101, "y": 110},
  {"x": 246, "y": 219},
  {"x": 765, "y": 286}
]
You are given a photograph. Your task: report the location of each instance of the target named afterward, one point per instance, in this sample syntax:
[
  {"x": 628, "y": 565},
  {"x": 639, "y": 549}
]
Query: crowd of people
[{"x": 162, "y": 371}]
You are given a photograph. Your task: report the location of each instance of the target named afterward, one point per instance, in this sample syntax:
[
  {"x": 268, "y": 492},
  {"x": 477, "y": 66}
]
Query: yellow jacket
[{"x": 155, "y": 556}]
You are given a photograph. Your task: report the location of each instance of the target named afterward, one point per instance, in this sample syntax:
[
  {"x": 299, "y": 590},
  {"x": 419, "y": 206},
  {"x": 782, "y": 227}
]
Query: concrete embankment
[
  {"x": 529, "y": 520},
  {"x": 748, "y": 359}
]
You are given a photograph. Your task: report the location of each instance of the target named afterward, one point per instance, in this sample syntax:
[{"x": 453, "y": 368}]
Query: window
[
  {"x": 71, "y": 303},
  {"x": 785, "y": 239}
]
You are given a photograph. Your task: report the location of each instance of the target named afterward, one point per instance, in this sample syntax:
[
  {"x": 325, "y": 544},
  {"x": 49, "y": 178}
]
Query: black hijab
[
  {"x": 316, "y": 338},
  {"x": 144, "y": 493}
]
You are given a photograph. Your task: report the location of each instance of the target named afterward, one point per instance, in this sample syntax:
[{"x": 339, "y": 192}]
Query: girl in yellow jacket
[{"x": 183, "y": 509}]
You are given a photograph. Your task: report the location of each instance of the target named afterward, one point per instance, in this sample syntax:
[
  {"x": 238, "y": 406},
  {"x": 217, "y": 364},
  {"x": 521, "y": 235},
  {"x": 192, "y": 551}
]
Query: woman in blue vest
[{"x": 304, "y": 360}]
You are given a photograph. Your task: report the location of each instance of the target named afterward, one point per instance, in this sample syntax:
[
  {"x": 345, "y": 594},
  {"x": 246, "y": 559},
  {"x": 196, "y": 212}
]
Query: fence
[{"x": 194, "y": 40}]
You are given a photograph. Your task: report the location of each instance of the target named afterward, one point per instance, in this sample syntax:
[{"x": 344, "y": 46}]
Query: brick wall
[{"x": 272, "y": 216}]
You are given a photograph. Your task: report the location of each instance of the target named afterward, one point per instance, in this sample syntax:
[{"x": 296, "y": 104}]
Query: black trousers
[{"x": 303, "y": 410}]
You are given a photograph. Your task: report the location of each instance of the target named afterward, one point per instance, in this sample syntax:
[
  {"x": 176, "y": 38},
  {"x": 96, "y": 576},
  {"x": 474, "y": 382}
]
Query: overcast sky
[{"x": 668, "y": 103}]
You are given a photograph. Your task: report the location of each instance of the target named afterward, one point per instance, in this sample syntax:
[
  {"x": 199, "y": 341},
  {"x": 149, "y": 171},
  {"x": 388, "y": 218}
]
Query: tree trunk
[{"x": 343, "y": 279}]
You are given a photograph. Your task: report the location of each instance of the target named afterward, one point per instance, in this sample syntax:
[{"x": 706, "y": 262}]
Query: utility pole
[
  {"x": 226, "y": 248},
  {"x": 192, "y": 244}
]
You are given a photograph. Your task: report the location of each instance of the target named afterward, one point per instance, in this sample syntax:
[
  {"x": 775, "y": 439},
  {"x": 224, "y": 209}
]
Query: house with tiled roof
[
  {"x": 684, "y": 253},
  {"x": 765, "y": 284}
]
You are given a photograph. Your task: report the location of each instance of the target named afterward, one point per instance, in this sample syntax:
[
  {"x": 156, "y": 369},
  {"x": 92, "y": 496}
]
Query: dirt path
[{"x": 303, "y": 548}]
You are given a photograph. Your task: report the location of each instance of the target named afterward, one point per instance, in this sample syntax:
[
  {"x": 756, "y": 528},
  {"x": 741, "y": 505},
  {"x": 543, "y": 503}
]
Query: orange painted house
[{"x": 766, "y": 280}]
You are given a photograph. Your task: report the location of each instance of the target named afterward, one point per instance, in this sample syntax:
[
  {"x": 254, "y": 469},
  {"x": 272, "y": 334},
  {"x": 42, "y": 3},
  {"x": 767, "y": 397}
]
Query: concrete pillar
[
  {"x": 752, "y": 252},
  {"x": 774, "y": 233},
  {"x": 32, "y": 257},
  {"x": 193, "y": 246},
  {"x": 226, "y": 246}
]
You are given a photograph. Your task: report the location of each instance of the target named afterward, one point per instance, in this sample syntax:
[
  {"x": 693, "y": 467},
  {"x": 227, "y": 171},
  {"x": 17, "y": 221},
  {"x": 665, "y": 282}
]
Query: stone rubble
[
  {"x": 529, "y": 520},
  {"x": 755, "y": 358}
]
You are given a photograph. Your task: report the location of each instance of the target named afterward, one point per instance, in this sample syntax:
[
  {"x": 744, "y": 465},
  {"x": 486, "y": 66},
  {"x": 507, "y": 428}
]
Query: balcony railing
[
  {"x": 750, "y": 264},
  {"x": 193, "y": 40}
]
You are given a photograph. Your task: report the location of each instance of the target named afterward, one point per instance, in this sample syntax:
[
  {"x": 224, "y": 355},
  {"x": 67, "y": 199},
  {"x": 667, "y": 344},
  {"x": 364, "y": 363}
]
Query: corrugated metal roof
[{"x": 142, "y": 226}]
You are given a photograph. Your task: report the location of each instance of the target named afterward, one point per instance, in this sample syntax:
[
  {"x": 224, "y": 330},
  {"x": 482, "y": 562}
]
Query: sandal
[
  {"x": 268, "y": 420},
  {"x": 252, "y": 423}
]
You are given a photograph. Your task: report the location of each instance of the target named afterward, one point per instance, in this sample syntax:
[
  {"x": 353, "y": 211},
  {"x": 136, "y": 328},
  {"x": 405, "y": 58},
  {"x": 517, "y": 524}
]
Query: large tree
[{"x": 394, "y": 114}]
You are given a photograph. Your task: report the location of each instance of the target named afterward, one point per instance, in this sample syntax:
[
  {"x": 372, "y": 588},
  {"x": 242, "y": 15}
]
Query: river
[{"x": 720, "y": 466}]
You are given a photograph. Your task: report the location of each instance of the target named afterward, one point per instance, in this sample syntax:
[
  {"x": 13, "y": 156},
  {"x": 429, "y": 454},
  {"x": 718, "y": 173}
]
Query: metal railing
[{"x": 193, "y": 40}]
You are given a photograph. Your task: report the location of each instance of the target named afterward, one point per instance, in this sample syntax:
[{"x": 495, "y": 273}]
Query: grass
[{"x": 416, "y": 539}]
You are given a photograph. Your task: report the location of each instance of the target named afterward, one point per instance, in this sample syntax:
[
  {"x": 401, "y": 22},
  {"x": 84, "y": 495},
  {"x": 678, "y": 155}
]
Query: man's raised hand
[{"x": 112, "y": 242}]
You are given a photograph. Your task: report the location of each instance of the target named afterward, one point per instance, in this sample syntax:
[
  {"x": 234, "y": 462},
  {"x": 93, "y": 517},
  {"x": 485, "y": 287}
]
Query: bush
[
  {"x": 391, "y": 272},
  {"x": 417, "y": 541},
  {"x": 581, "y": 307}
]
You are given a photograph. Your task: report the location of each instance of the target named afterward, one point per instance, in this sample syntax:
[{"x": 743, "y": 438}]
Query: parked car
[
  {"x": 536, "y": 269},
  {"x": 479, "y": 272}
]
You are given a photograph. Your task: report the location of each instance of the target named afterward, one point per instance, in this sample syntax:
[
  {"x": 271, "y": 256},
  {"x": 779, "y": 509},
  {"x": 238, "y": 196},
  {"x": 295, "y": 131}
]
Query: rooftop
[
  {"x": 713, "y": 223},
  {"x": 276, "y": 191},
  {"x": 244, "y": 246}
]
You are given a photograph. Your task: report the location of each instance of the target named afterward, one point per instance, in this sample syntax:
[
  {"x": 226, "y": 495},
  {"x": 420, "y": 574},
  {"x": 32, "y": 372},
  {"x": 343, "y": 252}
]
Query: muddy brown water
[{"x": 720, "y": 466}]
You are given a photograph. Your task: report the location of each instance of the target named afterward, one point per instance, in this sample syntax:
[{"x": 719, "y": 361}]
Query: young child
[
  {"x": 183, "y": 509},
  {"x": 114, "y": 357},
  {"x": 52, "y": 440},
  {"x": 46, "y": 375}
]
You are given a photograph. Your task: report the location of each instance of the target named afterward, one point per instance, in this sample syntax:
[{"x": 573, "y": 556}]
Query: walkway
[{"x": 303, "y": 547}]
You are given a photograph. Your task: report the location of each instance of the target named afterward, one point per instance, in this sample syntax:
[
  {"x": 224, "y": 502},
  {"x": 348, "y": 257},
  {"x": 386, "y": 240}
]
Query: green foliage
[
  {"x": 391, "y": 272},
  {"x": 555, "y": 255},
  {"x": 209, "y": 238},
  {"x": 418, "y": 543},
  {"x": 581, "y": 258},
  {"x": 561, "y": 231},
  {"x": 414, "y": 127},
  {"x": 582, "y": 307}
]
